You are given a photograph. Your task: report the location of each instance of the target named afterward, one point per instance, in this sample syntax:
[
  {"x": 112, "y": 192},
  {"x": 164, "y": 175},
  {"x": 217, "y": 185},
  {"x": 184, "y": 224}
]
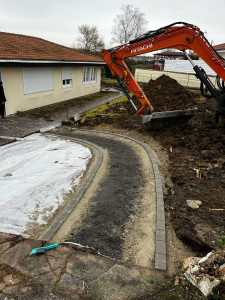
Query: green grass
[
  {"x": 108, "y": 80},
  {"x": 101, "y": 109}
]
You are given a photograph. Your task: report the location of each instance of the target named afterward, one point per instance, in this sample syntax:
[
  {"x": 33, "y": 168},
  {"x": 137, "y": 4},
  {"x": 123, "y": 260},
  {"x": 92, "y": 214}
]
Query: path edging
[
  {"x": 81, "y": 190},
  {"x": 160, "y": 236}
]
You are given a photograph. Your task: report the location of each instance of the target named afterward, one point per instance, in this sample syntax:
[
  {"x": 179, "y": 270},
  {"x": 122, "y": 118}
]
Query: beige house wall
[
  {"x": 187, "y": 80},
  {"x": 12, "y": 78}
]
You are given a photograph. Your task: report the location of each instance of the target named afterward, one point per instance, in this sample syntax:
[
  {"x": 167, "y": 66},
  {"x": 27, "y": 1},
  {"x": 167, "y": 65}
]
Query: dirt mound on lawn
[{"x": 166, "y": 93}]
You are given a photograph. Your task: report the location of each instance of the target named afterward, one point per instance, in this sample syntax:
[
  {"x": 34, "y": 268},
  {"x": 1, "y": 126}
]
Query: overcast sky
[{"x": 58, "y": 20}]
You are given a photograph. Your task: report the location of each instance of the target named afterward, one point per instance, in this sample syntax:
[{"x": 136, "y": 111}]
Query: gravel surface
[{"x": 103, "y": 227}]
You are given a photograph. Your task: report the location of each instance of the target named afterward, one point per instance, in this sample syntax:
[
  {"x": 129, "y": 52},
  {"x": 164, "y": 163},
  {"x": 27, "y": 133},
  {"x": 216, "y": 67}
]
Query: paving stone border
[
  {"x": 67, "y": 211},
  {"x": 160, "y": 236}
]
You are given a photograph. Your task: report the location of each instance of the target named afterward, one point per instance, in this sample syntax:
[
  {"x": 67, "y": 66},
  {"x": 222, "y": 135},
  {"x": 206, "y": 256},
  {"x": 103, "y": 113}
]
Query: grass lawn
[{"x": 101, "y": 109}]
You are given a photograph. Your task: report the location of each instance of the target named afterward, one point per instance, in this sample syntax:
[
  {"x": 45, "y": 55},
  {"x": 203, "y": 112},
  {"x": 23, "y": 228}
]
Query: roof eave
[{"x": 19, "y": 61}]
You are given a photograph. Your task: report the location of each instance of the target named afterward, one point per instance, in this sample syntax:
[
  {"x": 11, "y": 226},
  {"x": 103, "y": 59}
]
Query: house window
[
  {"x": 36, "y": 80},
  {"x": 67, "y": 77},
  {"x": 93, "y": 75},
  {"x": 89, "y": 75}
]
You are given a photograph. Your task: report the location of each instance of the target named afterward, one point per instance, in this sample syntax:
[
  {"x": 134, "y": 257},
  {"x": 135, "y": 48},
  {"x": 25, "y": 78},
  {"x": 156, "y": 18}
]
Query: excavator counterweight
[{"x": 180, "y": 36}]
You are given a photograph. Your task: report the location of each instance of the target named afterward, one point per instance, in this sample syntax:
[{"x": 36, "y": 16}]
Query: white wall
[
  {"x": 221, "y": 52},
  {"x": 184, "y": 66},
  {"x": 187, "y": 80}
]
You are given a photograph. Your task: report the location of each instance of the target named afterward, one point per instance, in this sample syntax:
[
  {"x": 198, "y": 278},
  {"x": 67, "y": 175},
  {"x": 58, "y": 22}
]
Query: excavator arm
[{"x": 179, "y": 36}]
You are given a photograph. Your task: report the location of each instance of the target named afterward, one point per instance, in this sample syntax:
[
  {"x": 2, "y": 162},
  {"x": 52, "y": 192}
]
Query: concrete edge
[
  {"x": 160, "y": 236},
  {"x": 81, "y": 190}
]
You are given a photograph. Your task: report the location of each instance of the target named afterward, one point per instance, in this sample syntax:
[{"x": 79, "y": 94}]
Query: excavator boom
[{"x": 179, "y": 36}]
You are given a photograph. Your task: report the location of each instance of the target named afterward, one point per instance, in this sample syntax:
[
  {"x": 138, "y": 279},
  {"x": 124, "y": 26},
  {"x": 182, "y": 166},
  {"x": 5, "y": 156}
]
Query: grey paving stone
[
  {"x": 159, "y": 189},
  {"x": 160, "y": 261},
  {"x": 158, "y": 180},
  {"x": 160, "y": 208},
  {"x": 160, "y": 225},
  {"x": 160, "y": 215},
  {"x": 159, "y": 196},
  {"x": 160, "y": 247},
  {"x": 160, "y": 202},
  {"x": 160, "y": 235}
]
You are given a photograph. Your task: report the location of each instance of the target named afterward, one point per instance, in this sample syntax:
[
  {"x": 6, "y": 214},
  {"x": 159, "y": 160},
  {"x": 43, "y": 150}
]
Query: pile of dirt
[
  {"x": 197, "y": 170},
  {"x": 197, "y": 160},
  {"x": 166, "y": 94}
]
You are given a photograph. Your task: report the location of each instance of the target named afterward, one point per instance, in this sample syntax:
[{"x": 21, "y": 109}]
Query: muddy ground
[
  {"x": 192, "y": 164},
  {"x": 196, "y": 160}
]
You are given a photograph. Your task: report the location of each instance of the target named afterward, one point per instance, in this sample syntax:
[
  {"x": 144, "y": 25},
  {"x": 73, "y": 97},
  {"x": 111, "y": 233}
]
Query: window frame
[
  {"x": 67, "y": 77},
  {"x": 89, "y": 75}
]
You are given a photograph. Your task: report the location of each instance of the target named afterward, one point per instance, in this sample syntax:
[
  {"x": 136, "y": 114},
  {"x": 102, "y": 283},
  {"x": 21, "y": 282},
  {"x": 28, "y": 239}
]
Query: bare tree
[
  {"x": 89, "y": 39},
  {"x": 129, "y": 24}
]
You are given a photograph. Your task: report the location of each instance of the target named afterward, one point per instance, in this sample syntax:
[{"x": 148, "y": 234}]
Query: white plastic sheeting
[
  {"x": 184, "y": 66},
  {"x": 35, "y": 175}
]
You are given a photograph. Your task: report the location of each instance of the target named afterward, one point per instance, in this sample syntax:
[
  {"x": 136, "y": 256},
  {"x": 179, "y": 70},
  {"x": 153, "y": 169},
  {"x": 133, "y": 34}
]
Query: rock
[
  {"x": 8, "y": 279},
  {"x": 2, "y": 286},
  {"x": 176, "y": 282},
  {"x": 195, "y": 272},
  {"x": 207, "y": 260},
  {"x": 83, "y": 119},
  {"x": 11, "y": 290},
  {"x": 11, "y": 280},
  {"x": 76, "y": 117},
  {"x": 198, "y": 173},
  {"x": 7, "y": 175},
  {"x": 221, "y": 270},
  {"x": 206, "y": 286},
  {"x": 189, "y": 262},
  {"x": 194, "y": 203}
]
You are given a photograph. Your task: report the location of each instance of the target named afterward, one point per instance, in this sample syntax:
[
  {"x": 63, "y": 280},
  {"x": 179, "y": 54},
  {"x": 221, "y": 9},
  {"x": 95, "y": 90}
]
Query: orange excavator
[{"x": 180, "y": 36}]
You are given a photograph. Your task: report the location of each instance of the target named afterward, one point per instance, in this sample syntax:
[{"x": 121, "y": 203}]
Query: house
[
  {"x": 220, "y": 49},
  {"x": 36, "y": 72}
]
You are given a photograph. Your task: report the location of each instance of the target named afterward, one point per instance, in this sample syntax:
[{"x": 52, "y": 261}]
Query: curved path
[{"x": 118, "y": 196}]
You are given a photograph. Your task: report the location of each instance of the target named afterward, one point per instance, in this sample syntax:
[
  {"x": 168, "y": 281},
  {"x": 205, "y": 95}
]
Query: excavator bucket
[{"x": 159, "y": 120}]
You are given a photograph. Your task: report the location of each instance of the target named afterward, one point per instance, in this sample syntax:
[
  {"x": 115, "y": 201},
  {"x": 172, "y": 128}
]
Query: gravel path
[{"x": 103, "y": 227}]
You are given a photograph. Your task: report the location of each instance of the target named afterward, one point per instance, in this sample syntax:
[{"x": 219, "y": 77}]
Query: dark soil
[
  {"x": 197, "y": 160},
  {"x": 166, "y": 94}
]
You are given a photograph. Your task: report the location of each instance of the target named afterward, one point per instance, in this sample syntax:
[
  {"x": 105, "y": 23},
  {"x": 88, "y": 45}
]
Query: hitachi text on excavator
[{"x": 180, "y": 36}]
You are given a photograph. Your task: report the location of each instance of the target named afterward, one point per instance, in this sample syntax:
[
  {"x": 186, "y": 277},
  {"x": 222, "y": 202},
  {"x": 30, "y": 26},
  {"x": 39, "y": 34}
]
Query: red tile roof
[
  {"x": 22, "y": 47},
  {"x": 219, "y": 47}
]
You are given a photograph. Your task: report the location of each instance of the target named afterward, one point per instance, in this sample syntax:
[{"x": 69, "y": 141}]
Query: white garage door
[{"x": 36, "y": 80}]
